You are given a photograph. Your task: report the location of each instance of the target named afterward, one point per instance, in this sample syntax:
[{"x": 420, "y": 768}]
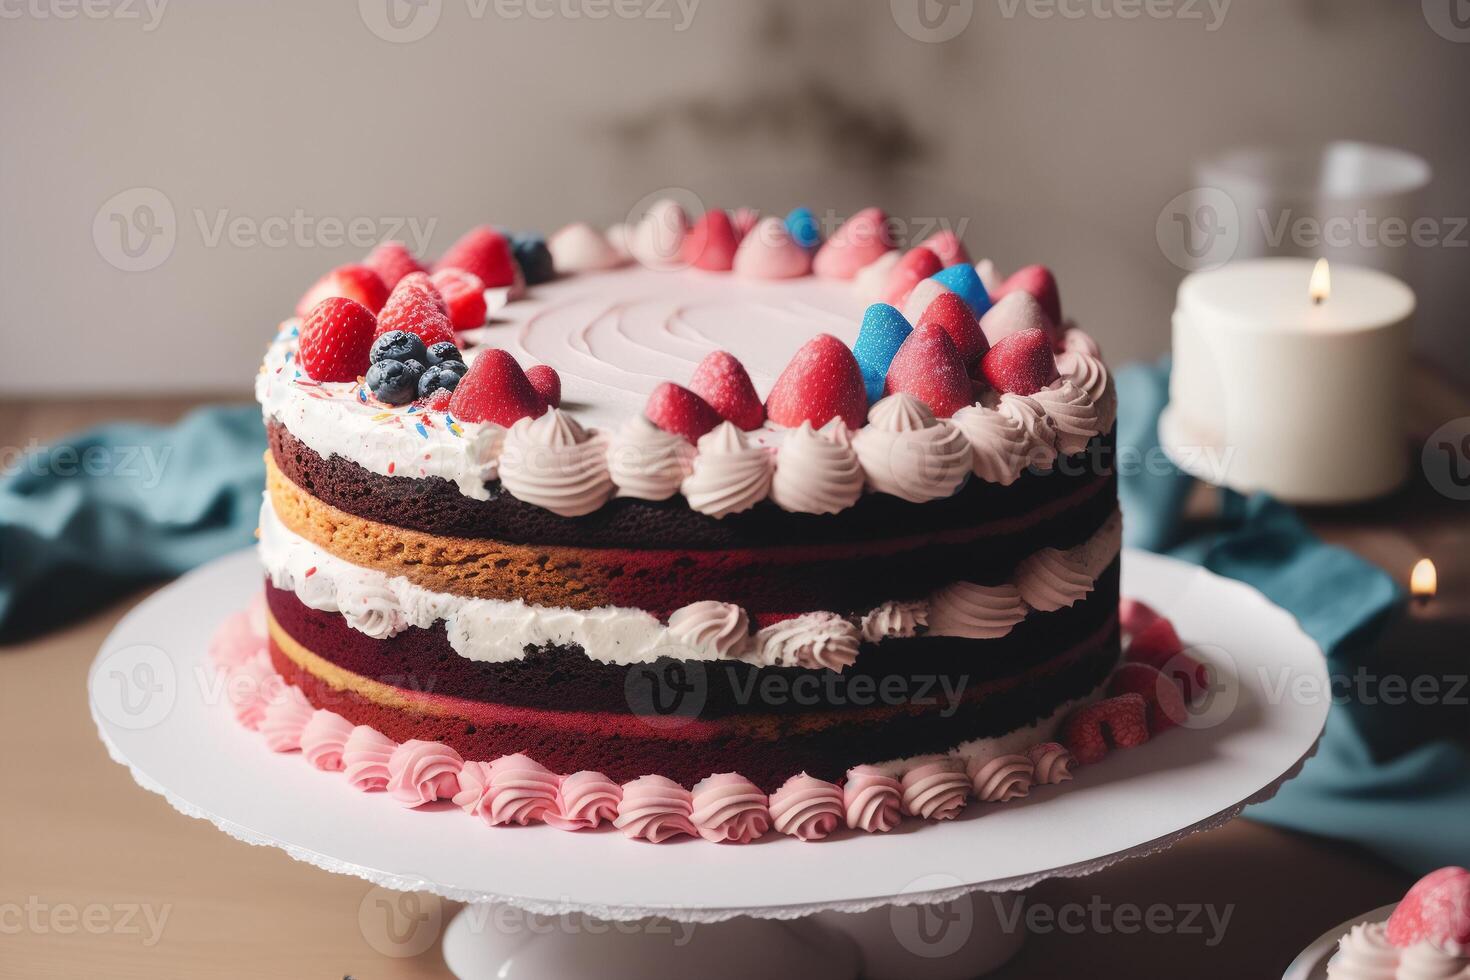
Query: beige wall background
[{"x": 245, "y": 147}]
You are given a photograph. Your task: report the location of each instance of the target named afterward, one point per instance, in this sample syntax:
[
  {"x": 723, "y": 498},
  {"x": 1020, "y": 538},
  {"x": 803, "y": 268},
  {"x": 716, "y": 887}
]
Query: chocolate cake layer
[
  {"x": 556, "y": 678},
  {"x": 436, "y": 506},
  {"x": 850, "y": 576},
  {"x": 687, "y": 747}
]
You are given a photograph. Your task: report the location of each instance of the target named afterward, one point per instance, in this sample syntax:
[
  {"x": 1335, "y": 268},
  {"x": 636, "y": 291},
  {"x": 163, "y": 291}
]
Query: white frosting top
[{"x": 1365, "y": 953}]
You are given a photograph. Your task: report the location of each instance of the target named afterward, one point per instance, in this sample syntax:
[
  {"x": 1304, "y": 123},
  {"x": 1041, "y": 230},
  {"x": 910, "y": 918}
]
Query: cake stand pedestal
[{"x": 927, "y": 901}]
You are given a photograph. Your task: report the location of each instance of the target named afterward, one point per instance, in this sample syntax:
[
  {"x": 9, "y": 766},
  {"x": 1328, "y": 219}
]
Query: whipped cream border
[{"x": 497, "y": 631}]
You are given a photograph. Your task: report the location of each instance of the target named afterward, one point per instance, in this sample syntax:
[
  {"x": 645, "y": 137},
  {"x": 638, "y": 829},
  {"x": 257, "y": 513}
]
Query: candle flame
[
  {"x": 1321, "y": 285},
  {"x": 1423, "y": 580}
]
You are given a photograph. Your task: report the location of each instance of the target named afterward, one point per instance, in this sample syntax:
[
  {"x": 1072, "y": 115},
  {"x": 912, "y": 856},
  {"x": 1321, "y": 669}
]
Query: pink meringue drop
[
  {"x": 235, "y": 642},
  {"x": 860, "y": 240},
  {"x": 365, "y": 758},
  {"x": 920, "y": 297},
  {"x": 421, "y": 772},
  {"x": 936, "y": 790},
  {"x": 584, "y": 801},
  {"x": 1051, "y": 762},
  {"x": 806, "y": 807},
  {"x": 947, "y": 245},
  {"x": 512, "y": 789},
  {"x": 730, "y": 808},
  {"x": 768, "y": 252},
  {"x": 324, "y": 738},
  {"x": 1005, "y": 777},
  {"x": 871, "y": 800},
  {"x": 655, "y": 808},
  {"x": 285, "y": 720},
  {"x": 252, "y": 687}
]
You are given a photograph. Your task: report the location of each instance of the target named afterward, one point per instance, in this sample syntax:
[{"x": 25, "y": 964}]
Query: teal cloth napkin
[
  {"x": 100, "y": 513},
  {"x": 1411, "y": 807}
]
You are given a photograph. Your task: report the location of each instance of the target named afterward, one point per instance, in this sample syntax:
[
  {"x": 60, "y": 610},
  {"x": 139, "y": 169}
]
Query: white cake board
[
  {"x": 1312, "y": 963},
  {"x": 159, "y": 709}
]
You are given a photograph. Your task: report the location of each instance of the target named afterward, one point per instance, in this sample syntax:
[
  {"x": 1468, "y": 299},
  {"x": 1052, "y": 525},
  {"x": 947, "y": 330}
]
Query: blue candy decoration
[
  {"x": 802, "y": 225},
  {"x": 883, "y": 333},
  {"x": 962, "y": 280}
]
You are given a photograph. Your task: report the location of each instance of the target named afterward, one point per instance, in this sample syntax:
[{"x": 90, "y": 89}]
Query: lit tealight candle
[
  {"x": 1423, "y": 581},
  {"x": 1289, "y": 377}
]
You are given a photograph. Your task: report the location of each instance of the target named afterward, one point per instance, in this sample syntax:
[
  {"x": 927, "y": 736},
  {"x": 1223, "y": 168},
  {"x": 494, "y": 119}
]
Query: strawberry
[
  {"x": 1021, "y": 364},
  {"x": 711, "y": 243},
  {"x": 438, "y": 400},
  {"x": 953, "y": 315},
  {"x": 484, "y": 252},
  {"x": 413, "y": 310},
  {"x": 1013, "y": 314},
  {"x": 1116, "y": 722},
  {"x": 822, "y": 382},
  {"x": 546, "y": 382},
  {"x": 1161, "y": 695},
  {"x": 336, "y": 338},
  {"x": 421, "y": 283},
  {"x": 947, "y": 245},
  {"x": 723, "y": 381},
  {"x": 676, "y": 409},
  {"x": 1040, "y": 283},
  {"x": 916, "y": 265},
  {"x": 860, "y": 240},
  {"x": 929, "y": 367},
  {"x": 464, "y": 297},
  {"x": 496, "y": 390},
  {"x": 1135, "y": 616},
  {"x": 392, "y": 261},
  {"x": 1160, "y": 647},
  {"x": 1436, "y": 910},
  {"x": 356, "y": 282}
]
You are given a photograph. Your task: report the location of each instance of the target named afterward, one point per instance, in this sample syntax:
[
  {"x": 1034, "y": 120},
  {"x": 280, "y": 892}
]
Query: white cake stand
[{"x": 918, "y": 902}]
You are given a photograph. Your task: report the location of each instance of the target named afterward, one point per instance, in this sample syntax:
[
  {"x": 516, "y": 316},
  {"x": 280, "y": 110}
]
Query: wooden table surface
[{"x": 101, "y": 879}]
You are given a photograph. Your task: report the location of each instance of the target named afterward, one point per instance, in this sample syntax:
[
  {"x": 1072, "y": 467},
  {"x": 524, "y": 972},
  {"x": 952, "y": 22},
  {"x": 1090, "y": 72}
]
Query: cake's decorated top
[{"x": 707, "y": 360}]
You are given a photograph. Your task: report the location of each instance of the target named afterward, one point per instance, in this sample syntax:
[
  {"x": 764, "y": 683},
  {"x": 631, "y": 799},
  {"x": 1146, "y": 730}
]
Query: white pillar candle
[{"x": 1273, "y": 390}]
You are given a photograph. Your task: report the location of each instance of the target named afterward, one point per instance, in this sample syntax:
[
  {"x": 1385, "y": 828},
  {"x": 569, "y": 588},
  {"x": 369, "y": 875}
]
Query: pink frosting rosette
[
  {"x": 584, "y": 800},
  {"x": 1005, "y": 777},
  {"x": 512, "y": 789},
  {"x": 730, "y": 808},
  {"x": 806, "y": 807},
  {"x": 655, "y": 808},
  {"x": 1051, "y": 762},
  {"x": 871, "y": 800},
  {"x": 936, "y": 790},
  {"x": 324, "y": 738},
  {"x": 365, "y": 758},
  {"x": 252, "y": 687},
  {"x": 235, "y": 642},
  {"x": 285, "y": 720},
  {"x": 421, "y": 772}
]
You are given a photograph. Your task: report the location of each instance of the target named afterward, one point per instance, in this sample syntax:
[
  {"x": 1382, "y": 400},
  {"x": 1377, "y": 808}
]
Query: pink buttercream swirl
[
  {"x": 1051, "y": 763},
  {"x": 936, "y": 790},
  {"x": 871, "y": 800},
  {"x": 324, "y": 738},
  {"x": 1006, "y": 777},
  {"x": 285, "y": 720},
  {"x": 730, "y": 808},
  {"x": 252, "y": 687},
  {"x": 235, "y": 642},
  {"x": 655, "y": 808},
  {"x": 421, "y": 772},
  {"x": 365, "y": 758},
  {"x": 584, "y": 800},
  {"x": 512, "y": 789},
  {"x": 807, "y": 808}
]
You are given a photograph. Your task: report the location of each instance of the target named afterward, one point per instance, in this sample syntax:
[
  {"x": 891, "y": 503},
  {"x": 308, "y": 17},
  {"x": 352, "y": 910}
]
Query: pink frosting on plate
[
  {"x": 512, "y": 789},
  {"x": 1006, "y": 777},
  {"x": 251, "y": 687},
  {"x": 235, "y": 642},
  {"x": 806, "y": 807},
  {"x": 584, "y": 800},
  {"x": 421, "y": 772},
  {"x": 655, "y": 808},
  {"x": 871, "y": 799},
  {"x": 324, "y": 738},
  {"x": 936, "y": 790},
  {"x": 730, "y": 808},
  {"x": 285, "y": 720},
  {"x": 1051, "y": 762},
  {"x": 365, "y": 758}
]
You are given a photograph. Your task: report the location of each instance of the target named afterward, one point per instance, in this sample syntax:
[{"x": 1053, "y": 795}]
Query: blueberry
[
  {"x": 533, "y": 257},
  {"x": 398, "y": 345},
  {"x": 395, "y": 382},
  {"x": 445, "y": 374},
  {"x": 444, "y": 351}
]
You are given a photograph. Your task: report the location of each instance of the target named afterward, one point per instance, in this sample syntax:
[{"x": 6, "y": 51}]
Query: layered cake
[
  {"x": 1427, "y": 937},
  {"x": 710, "y": 528}
]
